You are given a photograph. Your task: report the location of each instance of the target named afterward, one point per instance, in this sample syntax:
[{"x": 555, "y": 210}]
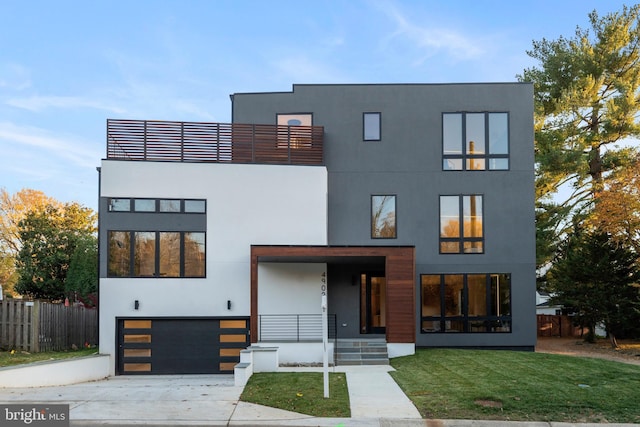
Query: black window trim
[
  {"x": 461, "y": 240},
  {"x": 487, "y": 157},
  {"x": 395, "y": 210},
  {"x": 465, "y": 318},
  {"x": 156, "y": 274},
  {"x": 157, "y": 205},
  {"x": 364, "y": 136}
]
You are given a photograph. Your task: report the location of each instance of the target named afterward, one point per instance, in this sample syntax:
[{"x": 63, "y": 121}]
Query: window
[
  {"x": 383, "y": 217},
  {"x": 371, "y": 126},
  {"x": 158, "y": 205},
  {"x": 475, "y": 141},
  {"x": 119, "y": 205},
  {"x": 156, "y": 254},
  {"x": 289, "y": 136},
  {"x": 144, "y": 205},
  {"x": 461, "y": 229},
  {"x": 466, "y": 303},
  {"x": 195, "y": 206}
]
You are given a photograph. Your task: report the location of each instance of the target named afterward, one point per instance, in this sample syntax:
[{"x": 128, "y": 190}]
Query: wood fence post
[{"x": 35, "y": 327}]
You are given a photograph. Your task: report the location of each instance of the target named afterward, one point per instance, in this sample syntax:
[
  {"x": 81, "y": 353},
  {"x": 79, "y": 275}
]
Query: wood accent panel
[
  {"x": 155, "y": 140},
  {"x": 137, "y": 324},
  {"x": 400, "y": 276},
  {"x": 137, "y": 367},
  {"x": 233, "y": 324}
]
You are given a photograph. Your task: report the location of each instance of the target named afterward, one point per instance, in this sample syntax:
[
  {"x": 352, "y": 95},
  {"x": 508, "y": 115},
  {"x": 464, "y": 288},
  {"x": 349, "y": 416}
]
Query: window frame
[
  {"x": 364, "y": 125},
  {"x": 461, "y": 239},
  {"x": 131, "y": 202},
  {"x": 395, "y": 216},
  {"x": 486, "y": 156},
  {"x": 132, "y": 249},
  {"x": 486, "y": 324}
]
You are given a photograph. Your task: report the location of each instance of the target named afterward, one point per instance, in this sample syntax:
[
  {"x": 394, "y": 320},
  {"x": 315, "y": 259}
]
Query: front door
[{"x": 373, "y": 292}]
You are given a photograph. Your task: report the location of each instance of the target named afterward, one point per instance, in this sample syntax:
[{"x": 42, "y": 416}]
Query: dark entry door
[
  {"x": 373, "y": 292},
  {"x": 180, "y": 346}
]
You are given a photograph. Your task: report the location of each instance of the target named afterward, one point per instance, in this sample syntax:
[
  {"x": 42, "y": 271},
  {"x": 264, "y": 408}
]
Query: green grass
[
  {"x": 506, "y": 385},
  {"x": 301, "y": 392},
  {"x": 22, "y": 357}
]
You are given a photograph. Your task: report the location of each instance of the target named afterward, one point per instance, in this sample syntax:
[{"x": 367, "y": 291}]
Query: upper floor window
[
  {"x": 157, "y": 205},
  {"x": 371, "y": 126},
  {"x": 475, "y": 141},
  {"x": 383, "y": 217},
  {"x": 290, "y": 138},
  {"x": 461, "y": 229}
]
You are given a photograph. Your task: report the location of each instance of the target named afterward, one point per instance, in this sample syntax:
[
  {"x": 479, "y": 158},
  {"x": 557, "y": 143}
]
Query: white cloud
[
  {"x": 39, "y": 103},
  {"x": 432, "y": 40},
  {"x": 44, "y": 144}
]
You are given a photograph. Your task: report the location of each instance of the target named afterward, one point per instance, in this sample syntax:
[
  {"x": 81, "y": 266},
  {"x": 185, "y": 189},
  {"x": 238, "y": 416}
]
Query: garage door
[{"x": 181, "y": 346}]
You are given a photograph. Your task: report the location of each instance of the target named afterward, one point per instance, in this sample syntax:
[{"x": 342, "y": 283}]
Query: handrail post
[
  {"x": 145, "y": 139},
  {"x": 182, "y": 141}
]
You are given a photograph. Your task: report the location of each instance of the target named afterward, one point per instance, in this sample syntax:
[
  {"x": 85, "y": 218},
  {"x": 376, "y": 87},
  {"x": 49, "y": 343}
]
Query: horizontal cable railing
[
  {"x": 294, "y": 327},
  {"x": 153, "y": 140}
]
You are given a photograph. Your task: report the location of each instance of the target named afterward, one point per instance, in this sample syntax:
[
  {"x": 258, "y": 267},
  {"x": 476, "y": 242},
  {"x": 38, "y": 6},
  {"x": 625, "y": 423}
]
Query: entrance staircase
[{"x": 361, "y": 351}]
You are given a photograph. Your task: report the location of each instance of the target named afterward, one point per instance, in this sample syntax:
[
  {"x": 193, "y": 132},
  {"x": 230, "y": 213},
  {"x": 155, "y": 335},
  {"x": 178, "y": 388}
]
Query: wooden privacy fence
[
  {"x": 557, "y": 326},
  {"x": 38, "y": 326}
]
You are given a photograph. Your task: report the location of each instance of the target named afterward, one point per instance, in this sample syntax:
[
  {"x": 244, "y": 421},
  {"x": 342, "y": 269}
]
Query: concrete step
[{"x": 362, "y": 351}]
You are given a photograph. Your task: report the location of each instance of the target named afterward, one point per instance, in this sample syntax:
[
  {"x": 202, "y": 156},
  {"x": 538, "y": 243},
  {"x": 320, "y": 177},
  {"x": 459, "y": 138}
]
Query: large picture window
[
  {"x": 383, "y": 217},
  {"x": 475, "y": 141},
  {"x": 465, "y": 303},
  {"x": 461, "y": 225},
  {"x": 156, "y": 254}
]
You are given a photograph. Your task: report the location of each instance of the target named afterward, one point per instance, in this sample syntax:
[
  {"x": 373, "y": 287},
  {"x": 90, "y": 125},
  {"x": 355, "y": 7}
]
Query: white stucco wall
[
  {"x": 289, "y": 288},
  {"x": 246, "y": 204}
]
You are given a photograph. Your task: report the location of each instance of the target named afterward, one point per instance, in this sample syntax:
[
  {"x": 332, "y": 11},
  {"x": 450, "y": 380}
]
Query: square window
[
  {"x": 475, "y": 141},
  {"x": 371, "y": 126}
]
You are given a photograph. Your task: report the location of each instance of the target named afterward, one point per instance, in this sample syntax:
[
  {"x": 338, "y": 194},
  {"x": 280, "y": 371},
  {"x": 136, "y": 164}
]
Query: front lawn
[
  {"x": 506, "y": 385},
  {"x": 301, "y": 392},
  {"x": 22, "y": 357}
]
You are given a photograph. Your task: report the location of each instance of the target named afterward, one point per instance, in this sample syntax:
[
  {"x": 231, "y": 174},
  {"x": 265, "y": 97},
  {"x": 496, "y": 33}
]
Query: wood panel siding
[
  {"x": 152, "y": 140},
  {"x": 400, "y": 276}
]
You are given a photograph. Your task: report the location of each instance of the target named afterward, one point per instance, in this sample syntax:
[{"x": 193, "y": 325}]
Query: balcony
[{"x": 166, "y": 141}]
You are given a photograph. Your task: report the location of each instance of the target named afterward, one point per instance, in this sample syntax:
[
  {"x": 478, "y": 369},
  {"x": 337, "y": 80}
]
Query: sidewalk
[{"x": 213, "y": 400}]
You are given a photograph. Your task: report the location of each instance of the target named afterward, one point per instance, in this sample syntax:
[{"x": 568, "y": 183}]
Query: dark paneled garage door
[{"x": 180, "y": 346}]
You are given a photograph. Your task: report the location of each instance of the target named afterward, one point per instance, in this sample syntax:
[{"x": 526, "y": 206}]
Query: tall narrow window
[
  {"x": 144, "y": 261},
  {"x": 461, "y": 225},
  {"x": 475, "y": 141},
  {"x": 194, "y": 255},
  {"x": 169, "y": 254},
  {"x": 383, "y": 217},
  {"x": 119, "y": 254},
  {"x": 371, "y": 126}
]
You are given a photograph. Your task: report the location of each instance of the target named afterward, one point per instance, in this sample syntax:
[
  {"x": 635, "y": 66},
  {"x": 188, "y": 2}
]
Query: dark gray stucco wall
[{"x": 407, "y": 162}]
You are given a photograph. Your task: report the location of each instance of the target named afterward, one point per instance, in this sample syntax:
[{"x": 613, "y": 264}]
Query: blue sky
[{"x": 67, "y": 66}]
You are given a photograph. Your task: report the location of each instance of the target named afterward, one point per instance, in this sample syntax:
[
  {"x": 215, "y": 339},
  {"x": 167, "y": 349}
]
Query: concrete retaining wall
[{"x": 56, "y": 372}]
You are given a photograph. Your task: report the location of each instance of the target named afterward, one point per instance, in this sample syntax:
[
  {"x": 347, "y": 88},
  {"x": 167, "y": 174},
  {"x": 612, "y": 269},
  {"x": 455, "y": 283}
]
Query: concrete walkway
[{"x": 213, "y": 400}]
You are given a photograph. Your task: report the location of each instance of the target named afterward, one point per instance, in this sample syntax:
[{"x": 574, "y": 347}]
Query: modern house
[{"x": 410, "y": 206}]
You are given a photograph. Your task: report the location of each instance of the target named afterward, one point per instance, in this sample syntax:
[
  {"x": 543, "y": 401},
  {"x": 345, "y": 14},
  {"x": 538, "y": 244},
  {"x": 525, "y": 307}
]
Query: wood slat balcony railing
[{"x": 214, "y": 142}]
